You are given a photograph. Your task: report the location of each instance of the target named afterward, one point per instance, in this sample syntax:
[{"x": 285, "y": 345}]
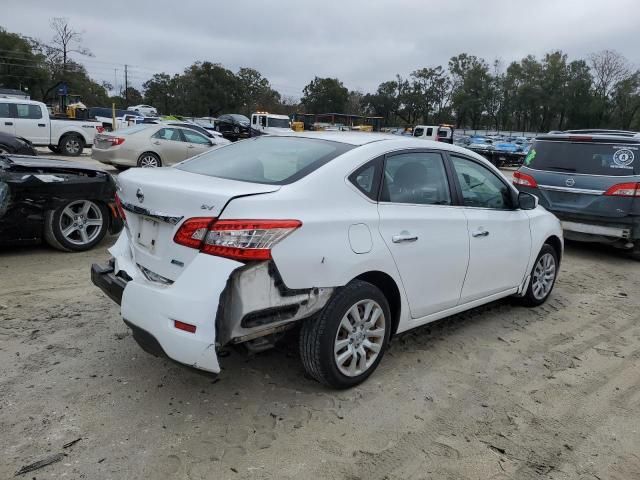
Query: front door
[
  {"x": 168, "y": 143},
  {"x": 426, "y": 235},
  {"x": 196, "y": 142},
  {"x": 499, "y": 235}
]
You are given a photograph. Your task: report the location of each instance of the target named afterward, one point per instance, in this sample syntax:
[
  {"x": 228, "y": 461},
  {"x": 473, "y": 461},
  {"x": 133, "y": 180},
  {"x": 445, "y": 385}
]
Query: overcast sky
[{"x": 360, "y": 42}]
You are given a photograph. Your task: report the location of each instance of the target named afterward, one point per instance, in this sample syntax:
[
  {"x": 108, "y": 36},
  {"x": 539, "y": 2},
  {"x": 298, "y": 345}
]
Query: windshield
[
  {"x": 593, "y": 158},
  {"x": 270, "y": 160},
  {"x": 278, "y": 122}
]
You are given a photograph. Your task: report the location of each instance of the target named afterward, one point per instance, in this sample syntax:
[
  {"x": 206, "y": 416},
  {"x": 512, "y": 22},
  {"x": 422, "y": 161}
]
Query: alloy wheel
[
  {"x": 72, "y": 146},
  {"x": 149, "y": 161},
  {"x": 359, "y": 338},
  {"x": 81, "y": 222},
  {"x": 544, "y": 275}
]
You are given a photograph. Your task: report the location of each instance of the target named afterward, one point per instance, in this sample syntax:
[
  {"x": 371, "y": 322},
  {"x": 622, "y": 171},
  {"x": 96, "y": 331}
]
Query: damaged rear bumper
[{"x": 226, "y": 302}]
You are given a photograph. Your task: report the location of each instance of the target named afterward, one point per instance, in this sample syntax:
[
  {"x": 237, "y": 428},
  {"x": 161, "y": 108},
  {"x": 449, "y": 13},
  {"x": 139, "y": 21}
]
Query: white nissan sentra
[{"x": 352, "y": 237}]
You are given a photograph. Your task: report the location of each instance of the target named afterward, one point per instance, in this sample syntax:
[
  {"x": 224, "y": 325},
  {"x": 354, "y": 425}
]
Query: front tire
[
  {"x": 149, "y": 160},
  {"x": 343, "y": 345},
  {"x": 77, "y": 226},
  {"x": 543, "y": 277}
]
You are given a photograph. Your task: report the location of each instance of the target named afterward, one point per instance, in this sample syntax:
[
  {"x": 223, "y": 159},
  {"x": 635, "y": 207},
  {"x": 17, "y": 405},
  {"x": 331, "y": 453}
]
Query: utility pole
[{"x": 126, "y": 87}]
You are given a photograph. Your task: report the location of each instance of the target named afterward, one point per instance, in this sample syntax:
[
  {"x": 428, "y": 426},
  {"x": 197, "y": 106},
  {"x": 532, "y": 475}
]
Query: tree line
[{"x": 531, "y": 94}]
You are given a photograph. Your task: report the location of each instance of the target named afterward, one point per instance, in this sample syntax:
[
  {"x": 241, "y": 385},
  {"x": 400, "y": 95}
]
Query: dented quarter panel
[{"x": 29, "y": 187}]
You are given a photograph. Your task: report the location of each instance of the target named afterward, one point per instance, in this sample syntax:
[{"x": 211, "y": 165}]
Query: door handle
[
  {"x": 8, "y": 123},
  {"x": 190, "y": 146},
  {"x": 42, "y": 125},
  {"x": 156, "y": 143},
  {"x": 404, "y": 238},
  {"x": 480, "y": 233}
]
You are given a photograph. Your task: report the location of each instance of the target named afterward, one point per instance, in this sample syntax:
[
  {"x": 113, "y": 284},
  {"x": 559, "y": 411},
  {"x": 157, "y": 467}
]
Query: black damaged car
[{"x": 67, "y": 204}]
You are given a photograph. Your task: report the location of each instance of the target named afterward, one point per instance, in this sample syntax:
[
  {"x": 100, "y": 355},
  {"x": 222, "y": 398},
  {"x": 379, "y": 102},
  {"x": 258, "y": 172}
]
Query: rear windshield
[
  {"x": 270, "y": 160},
  {"x": 591, "y": 158}
]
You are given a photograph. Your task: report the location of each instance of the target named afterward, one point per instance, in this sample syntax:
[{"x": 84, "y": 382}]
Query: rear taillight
[
  {"x": 120, "y": 209},
  {"x": 100, "y": 129},
  {"x": 243, "y": 240},
  {"x": 114, "y": 141},
  {"x": 525, "y": 180},
  {"x": 630, "y": 189}
]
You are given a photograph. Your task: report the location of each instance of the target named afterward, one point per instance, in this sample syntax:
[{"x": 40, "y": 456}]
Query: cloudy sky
[{"x": 290, "y": 41}]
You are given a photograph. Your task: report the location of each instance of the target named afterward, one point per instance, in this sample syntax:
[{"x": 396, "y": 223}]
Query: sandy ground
[{"x": 500, "y": 392}]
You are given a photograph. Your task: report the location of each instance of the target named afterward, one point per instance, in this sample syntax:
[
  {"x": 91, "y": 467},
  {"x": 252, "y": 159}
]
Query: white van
[{"x": 437, "y": 133}]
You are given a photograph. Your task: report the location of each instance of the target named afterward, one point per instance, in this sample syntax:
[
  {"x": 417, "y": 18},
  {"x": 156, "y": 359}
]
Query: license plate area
[{"x": 147, "y": 233}]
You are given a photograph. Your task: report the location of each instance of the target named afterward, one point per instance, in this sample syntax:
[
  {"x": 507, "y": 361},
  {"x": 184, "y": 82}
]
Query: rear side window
[
  {"x": 270, "y": 160},
  {"x": 417, "y": 178},
  {"x": 367, "y": 178},
  {"x": 591, "y": 158},
  {"x": 418, "y": 132},
  {"x": 429, "y": 132}
]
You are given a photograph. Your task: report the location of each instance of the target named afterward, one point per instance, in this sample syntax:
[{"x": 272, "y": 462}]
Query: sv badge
[{"x": 207, "y": 207}]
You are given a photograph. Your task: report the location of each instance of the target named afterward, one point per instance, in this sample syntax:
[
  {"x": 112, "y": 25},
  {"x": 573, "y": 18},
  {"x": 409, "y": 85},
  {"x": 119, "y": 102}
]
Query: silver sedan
[{"x": 149, "y": 145}]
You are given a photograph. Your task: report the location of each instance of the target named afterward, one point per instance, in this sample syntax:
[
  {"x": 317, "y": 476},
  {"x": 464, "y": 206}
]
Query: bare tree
[
  {"x": 66, "y": 40},
  {"x": 608, "y": 68}
]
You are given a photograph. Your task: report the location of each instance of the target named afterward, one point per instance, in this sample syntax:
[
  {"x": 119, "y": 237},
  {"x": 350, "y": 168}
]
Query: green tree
[
  {"x": 22, "y": 64},
  {"x": 324, "y": 95}
]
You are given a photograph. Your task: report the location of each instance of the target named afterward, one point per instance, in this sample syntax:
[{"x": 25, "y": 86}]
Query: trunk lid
[{"x": 158, "y": 200}]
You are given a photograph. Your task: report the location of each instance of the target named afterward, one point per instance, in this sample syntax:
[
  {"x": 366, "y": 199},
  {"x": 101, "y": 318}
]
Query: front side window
[
  {"x": 416, "y": 178},
  {"x": 28, "y": 111},
  {"x": 429, "y": 132},
  {"x": 172, "y": 134},
  {"x": 480, "y": 186},
  {"x": 195, "y": 137},
  {"x": 418, "y": 132},
  {"x": 270, "y": 160}
]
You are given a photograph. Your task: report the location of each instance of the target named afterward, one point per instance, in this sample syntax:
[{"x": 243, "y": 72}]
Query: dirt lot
[{"x": 500, "y": 392}]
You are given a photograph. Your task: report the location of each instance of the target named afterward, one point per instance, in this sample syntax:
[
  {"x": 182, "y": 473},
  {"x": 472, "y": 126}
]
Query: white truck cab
[
  {"x": 437, "y": 133},
  {"x": 270, "y": 123}
]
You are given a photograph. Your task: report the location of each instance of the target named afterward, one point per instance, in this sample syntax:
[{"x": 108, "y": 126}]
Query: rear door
[
  {"x": 7, "y": 122},
  {"x": 573, "y": 175},
  {"x": 424, "y": 232},
  {"x": 499, "y": 235},
  {"x": 196, "y": 142},
  {"x": 31, "y": 123},
  {"x": 169, "y": 144}
]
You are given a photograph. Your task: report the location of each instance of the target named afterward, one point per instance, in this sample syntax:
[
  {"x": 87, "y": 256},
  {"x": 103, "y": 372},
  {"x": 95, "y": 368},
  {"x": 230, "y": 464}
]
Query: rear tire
[
  {"x": 77, "y": 226},
  {"x": 345, "y": 342},
  {"x": 543, "y": 277},
  {"x": 71, "y": 145},
  {"x": 149, "y": 160}
]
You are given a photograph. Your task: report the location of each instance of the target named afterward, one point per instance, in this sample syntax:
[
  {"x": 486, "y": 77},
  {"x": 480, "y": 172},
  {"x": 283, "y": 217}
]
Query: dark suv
[
  {"x": 233, "y": 126},
  {"x": 590, "y": 179}
]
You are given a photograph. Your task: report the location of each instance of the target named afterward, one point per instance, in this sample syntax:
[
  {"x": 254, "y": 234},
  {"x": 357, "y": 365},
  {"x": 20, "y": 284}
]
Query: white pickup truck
[{"x": 30, "y": 119}]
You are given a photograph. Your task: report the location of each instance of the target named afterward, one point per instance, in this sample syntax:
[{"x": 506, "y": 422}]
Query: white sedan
[
  {"x": 145, "y": 110},
  {"x": 353, "y": 237}
]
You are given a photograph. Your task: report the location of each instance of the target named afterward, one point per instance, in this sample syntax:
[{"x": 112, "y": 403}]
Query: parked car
[
  {"x": 145, "y": 110},
  {"x": 354, "y": 237},
  {"x": 124, "y": 118},
  {"x": 150, "y": 145},
  {"x": 591, "y": 182},
  {"x": 233, "y": 126},
  {"x": 271, "y": 123},
  {"x": 30, "y": 120},
  {"x": 16, "y": 145},
  {"x": 66, "y": 204}
]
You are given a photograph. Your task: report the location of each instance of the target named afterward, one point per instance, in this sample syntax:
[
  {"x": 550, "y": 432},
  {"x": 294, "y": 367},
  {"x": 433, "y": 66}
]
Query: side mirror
[{"x": 527, "y": 201}]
